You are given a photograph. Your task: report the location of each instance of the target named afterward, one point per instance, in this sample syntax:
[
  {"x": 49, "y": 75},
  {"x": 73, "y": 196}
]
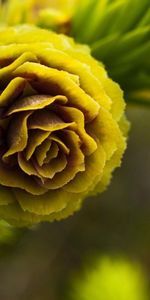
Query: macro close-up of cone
[
  {"x": 62, "y": 121},
  {"x": 74, "y": 149}
]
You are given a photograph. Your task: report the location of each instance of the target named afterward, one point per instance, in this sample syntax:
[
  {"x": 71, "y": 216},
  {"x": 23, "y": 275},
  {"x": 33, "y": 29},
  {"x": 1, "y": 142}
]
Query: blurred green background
[
  {"x": 43, "y": 263},
  {"x": 103, "y": 251}
]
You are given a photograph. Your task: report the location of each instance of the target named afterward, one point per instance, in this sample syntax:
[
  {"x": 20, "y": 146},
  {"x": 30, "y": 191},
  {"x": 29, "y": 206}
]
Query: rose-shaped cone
[{"x": 63, "y": 129}]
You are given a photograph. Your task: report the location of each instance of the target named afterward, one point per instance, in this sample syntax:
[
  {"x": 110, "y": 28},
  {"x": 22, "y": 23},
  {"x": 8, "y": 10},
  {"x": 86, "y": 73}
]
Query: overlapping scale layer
[{"x": 63, "y": 129}]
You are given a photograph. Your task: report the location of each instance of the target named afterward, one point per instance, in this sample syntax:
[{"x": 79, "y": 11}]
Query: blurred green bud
[
  {"x": 49, "y": 14},
  {"x": 55, "y": 19},
  {"x": 112, "y": 279}
]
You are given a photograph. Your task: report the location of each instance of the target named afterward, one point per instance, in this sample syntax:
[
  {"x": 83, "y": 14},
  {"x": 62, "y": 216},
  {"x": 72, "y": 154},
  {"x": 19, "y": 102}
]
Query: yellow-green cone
[{"x": 63, "y": 129}]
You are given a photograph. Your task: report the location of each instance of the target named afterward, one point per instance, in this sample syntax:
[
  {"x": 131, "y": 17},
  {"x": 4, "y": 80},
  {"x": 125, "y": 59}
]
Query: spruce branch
[{"x": 118, "y": 33}]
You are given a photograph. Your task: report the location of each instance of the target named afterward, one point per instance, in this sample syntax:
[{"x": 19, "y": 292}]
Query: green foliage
[
  {"x": 118, "y": 33},
  {"x": 111, "y": 279}
]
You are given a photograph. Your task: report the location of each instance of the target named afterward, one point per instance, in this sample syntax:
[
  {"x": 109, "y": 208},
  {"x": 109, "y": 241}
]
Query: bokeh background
[
  {"x": 51, "y": 261},
  {"x": 42, "y": 263}
]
